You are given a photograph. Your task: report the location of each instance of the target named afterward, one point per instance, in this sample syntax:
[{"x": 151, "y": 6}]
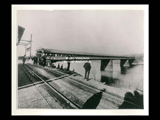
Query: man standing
[
  {"x": 44, "y": 61},
  {"x": 58, "y": 66},
  {"x": 24, "y": 59},
  {"x": 87, "y": 67},
  {"x": 35, "y": 60},
  {"x": 68, "y": 66},
  {"x": 62, "y": 67}
]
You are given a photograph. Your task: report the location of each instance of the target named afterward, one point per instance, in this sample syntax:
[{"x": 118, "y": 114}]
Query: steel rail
[
  {"x": 55, "y": 90},
  {"x": 99, "y": 90},
  {"x": 65, "y": 75},
  {"x": 70, "y": 78},
  {"x": 59, "y": 73},
  {"x": 34, "y": 84}
]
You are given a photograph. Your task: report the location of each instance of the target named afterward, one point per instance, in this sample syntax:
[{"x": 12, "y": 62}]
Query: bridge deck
[
  {"x": 86, "y": 58},
  {"x": 81, "y": 55}
]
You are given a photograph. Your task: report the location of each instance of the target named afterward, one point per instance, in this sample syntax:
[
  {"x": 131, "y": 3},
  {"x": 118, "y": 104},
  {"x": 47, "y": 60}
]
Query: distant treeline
[{"x": 139, "y": 57}]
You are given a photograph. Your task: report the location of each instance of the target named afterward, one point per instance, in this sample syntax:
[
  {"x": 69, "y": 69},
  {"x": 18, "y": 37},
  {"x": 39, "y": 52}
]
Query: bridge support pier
[
  {"x": 122, "y": 62},
  {"x": 131, "y": 61},
  {"x": 104, "y": 64}
]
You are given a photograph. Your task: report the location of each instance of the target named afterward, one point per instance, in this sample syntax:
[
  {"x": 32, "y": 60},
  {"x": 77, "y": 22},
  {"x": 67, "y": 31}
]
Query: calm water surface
[{"x": 125, "y": 77}]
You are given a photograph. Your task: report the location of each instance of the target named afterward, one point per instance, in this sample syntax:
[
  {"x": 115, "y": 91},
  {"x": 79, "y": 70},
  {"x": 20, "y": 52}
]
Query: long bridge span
[{"x": 60, "y": 55}]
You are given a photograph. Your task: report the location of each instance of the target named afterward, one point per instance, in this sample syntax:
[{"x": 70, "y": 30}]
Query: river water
[
  {"x": 114, "y": 75},
  {"x": 126, "y": 77}
]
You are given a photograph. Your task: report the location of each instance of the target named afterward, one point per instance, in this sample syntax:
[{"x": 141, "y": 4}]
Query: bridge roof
[{"x": 55, "y": 51}]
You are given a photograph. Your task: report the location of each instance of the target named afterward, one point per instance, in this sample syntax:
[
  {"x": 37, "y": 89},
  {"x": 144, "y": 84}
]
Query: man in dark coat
[
  {"x": 58, "y": 66},
  {"x": 68, "y": 66},
  {"x": 62, "y": 67},
  {"x": 35, "y": 60},
  {"x": 87, "y": 67},
  {"x": 24, "y": 59},
  {"x": 44, "y": 61}
]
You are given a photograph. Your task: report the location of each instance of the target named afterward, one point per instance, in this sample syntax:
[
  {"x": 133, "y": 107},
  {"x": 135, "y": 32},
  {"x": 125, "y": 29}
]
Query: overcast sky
[{"x": 95, "y": 31}]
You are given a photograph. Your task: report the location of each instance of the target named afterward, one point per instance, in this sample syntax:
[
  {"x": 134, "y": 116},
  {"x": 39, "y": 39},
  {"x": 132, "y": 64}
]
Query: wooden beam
[
  {"x": 21, "y": 44},
  {"x": 25, "y": 44},
  {"x": 26, "y": 40}
]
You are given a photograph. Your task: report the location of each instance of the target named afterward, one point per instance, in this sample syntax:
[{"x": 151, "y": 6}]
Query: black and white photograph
[{"x": 79, "y": 57}]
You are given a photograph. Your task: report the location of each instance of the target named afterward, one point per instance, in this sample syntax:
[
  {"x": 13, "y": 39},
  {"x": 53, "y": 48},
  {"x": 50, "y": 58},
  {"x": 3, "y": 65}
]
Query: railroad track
[
  {"x": 33, "y": 83},
  {"x": 90, "y": 87},
  {"x": 30, "y": 73}
]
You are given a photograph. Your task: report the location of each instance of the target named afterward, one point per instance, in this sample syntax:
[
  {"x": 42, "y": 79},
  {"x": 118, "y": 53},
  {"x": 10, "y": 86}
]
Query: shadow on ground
[
  {"x": 132, "y": 101},
  {"x": 93, "y": 101},
  {"x": 107, "y": 80},
  {"x": 69, "y": 72}
]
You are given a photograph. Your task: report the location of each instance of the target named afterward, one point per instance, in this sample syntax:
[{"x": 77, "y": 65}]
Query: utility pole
[
  {"x": 20, "y": 33},
  {"x": 30, "y": 46},
  {"x": 25, "y": 50}
]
